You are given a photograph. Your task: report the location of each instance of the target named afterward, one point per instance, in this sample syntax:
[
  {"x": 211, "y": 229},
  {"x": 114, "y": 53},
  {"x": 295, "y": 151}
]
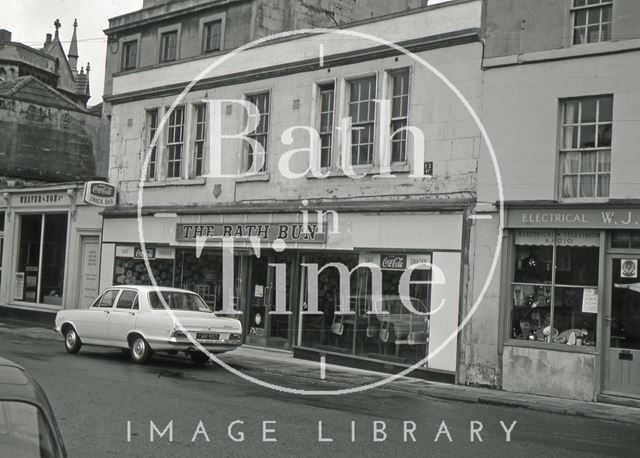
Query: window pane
[
  {"x": 570, "y": 186},
  {"x": 570, "y": 137},
  {"x": 579, "y": 36},
  {"x": 571, "y": 162},
  {"x": 588, "y": 136},
  {"x": 573, "y": 326},
  {"x": 533, "y": 262},
  {"x": 604, "y": 161},
  {"x": 589, "y": 108},
  {"x": 126, "y": 299},
  {"x": 606, "y": 109},
  {"x": 593, "y": 34},
  {"x": 589, "y": 162},
  {"x": 593, "y": 16},
  {"x": 53, "y": 259},
  {"x": 571, "y": 111},
  {"x": 581, "y": 17},
  {"x": 587, "y": 186},
  {"x": 604, "y": 182}
]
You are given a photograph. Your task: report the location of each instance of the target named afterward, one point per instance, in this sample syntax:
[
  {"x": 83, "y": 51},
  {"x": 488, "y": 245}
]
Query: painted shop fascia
[
  {"x": 589, "y": 351},
  {"x": 49, "y": 239}
]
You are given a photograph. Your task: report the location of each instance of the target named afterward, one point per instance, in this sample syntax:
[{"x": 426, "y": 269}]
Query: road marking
[
  {"x": 481, "y": 217},
  {"x": 323, "y": 375}
]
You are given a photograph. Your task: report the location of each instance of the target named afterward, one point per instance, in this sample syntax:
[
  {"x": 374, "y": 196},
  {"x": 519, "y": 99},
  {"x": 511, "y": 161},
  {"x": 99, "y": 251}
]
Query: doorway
[
  {"x": 264, "y": 326},
  {"x": 622, "y": 327}
]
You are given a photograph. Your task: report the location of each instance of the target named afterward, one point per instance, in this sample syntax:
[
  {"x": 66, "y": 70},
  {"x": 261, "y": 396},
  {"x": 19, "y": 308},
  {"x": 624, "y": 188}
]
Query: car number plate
[{"x": 207, "y": 336}]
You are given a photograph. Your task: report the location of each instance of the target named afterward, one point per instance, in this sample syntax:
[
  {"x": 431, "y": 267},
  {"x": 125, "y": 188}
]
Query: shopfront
[
  {"x": 288, "y": 284},
  {"x": 45, "y": 246},
  {"x": 571, "y": 302}
]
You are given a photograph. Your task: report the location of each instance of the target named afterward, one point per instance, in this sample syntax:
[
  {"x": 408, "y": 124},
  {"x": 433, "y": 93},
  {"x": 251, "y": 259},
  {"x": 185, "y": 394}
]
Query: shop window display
[
  {"x": 556, "y": 306},
  {"x": 41, "y": 261},
  {"x": 397, "y": 335},
  {"x": 130, "y": 271}
]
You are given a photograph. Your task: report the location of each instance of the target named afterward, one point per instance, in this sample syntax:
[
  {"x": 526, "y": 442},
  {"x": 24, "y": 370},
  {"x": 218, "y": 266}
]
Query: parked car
[
  {"x": 134, "y": 318},
  {"x": 28, "y": 428}
]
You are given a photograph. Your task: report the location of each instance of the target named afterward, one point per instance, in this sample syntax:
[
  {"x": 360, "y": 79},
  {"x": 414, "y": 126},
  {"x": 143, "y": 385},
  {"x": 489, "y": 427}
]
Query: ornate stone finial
[
  {"x": 57, "y": 24},
  {"x": 88, "y": 67},
  {"x": 75, "y": 23},
  {"x": 82, "y": 70}
]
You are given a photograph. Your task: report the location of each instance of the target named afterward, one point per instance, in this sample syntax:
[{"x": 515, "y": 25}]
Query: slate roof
[{"x": 30, "y": 89}]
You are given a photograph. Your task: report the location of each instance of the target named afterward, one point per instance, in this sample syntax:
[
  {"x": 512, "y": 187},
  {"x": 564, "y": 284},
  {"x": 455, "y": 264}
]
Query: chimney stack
[
  {"x": 48, "y": 39},
  {"x": 5, "y": 36}
]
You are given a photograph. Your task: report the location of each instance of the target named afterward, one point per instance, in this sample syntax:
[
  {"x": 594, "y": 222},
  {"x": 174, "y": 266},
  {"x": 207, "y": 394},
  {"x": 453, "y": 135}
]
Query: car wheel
[
  {"x": 199, "y": 358},
  {"x": 140, "y": 350},
  {"x": 72, "y": 341}
]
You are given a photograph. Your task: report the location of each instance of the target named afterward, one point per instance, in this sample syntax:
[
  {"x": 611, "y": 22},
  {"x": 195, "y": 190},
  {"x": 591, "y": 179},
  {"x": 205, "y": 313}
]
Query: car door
[
  {"x": 122, "y": 318},
  {"x": 95, "y": 326}
]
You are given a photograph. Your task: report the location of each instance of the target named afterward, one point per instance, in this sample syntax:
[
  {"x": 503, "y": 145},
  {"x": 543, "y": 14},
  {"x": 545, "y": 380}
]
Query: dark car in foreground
[{"x": 28, "y": 428}]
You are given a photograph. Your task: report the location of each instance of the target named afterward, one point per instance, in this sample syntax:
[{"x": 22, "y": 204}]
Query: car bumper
[{"x": 186, "y": 345}]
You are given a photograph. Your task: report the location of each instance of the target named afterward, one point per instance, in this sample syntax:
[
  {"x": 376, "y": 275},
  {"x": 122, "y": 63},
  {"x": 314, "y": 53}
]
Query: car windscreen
[
  {"x": 178, "y": 301},
  {"x": 25, "y": 432}
]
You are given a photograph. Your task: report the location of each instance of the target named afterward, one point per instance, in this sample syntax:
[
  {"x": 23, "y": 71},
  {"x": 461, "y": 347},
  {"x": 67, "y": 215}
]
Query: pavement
[{"x": 276, "y": 363}]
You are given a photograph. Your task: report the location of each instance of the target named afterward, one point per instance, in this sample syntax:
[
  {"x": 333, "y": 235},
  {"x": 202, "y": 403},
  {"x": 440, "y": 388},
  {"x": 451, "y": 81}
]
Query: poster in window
[
  {"x": 629, "y": 268},
  {"x": 18, "y": 288},
  {"x": 590, "y": 300}
]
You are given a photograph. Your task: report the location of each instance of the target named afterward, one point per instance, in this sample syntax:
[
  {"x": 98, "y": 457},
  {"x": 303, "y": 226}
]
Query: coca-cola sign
[
  {"x": 393, "y": 261},
  {"x": 100, "y": 194}
]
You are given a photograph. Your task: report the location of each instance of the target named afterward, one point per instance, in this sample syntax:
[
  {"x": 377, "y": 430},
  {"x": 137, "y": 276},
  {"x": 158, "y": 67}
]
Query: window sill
[
  {"x": 551, "y": 346},
  {"x": 583, "y": 200},
  {"x": 263, "y": 176},
  {"x": 573, "y": 51},
  {"x": 169, "y": 183}
]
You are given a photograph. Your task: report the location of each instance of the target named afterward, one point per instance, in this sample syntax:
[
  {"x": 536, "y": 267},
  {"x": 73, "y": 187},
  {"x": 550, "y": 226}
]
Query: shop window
[
  {"x": 131, "y": 270},
  {"x": 555, "y": 306},
  {"x": 399, "y": 115},
  {"x": 591, "y": 21},
  {"x": 327, "y": 108},
  {"x": 625, "y": 239},
  {"x": 129, "y": 55},
  {"x": 397, "y": 335},
  {"x": 41, "y": 259},
  {"x": 261, "y": 134},
  {"x": 585, "y": 149},
  {"x": 175, "y": 143},
  {"x": 152, "y": 124},
  {"x": 362, "y": 110},
  {"x": 200, "y": 140},
  {"x": 168, "y": 46},
  {"x": 212, "y": 36}
]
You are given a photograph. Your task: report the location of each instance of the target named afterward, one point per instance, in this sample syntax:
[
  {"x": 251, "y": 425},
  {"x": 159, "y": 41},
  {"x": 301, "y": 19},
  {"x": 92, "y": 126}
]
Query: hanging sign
[
  {"x": 100, "y": 194},
  {"x": 629, "y": 268}
]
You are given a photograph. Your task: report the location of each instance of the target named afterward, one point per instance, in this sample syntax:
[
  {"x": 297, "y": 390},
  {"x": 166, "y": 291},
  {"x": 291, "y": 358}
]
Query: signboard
[
  {"x": 393, "y": 261},
  {"x": 43, "y": 198},
  {"x": 628, "y": 268},
  {"x": 18, "y": 286},
  {"x": 590, "y": 300},
  {"x": 152, "y": 252},
  {"x": 396, "y": 261},
  {"x": 542, "y": 237},
  {"x": 574, "y": 218},
  {"x": 89, "y": 286},
  {"x": 267, "y": 232},
  {"x": 99, "y": 193}
]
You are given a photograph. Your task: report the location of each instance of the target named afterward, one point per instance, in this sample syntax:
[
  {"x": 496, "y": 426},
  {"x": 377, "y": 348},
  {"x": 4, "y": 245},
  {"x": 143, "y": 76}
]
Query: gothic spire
[{"x": 73, "y": 48}]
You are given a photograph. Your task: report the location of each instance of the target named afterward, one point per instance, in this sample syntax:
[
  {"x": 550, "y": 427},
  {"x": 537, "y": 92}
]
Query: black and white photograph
[{"x": 319, "y": 228}]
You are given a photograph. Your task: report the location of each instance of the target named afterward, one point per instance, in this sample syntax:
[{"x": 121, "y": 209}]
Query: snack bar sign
[
  {"x": 266, "y": 232},
  {"x": 99, "y": 194}
]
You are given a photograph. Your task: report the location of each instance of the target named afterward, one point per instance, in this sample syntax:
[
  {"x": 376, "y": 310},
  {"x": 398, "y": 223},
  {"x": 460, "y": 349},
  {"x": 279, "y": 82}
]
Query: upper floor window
[
  {"x": 261, "y": 134},
  {"x": 168, "y": 46},
  {"x": 327, "y": 109},
  {"x": 152, "y": 124},
  {"x": 362, "y": 110},
  {"x": 129, "y": 54},
  {"x": 585, "y": 148},
  {"x": 212, "y": 36},
  {"x": 399, "y": 115},
  {"x": 591, "y": 21},
  {"x": 175, "y": 143},
  {"x": 199, "y": 142}
]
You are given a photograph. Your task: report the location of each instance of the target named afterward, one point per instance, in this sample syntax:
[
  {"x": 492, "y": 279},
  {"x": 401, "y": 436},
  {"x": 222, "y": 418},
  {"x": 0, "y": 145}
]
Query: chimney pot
[{"x": 48, "y": 39}]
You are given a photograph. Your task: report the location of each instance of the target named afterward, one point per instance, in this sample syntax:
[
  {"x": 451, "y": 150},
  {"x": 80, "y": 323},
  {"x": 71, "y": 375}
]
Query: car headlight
[
  {"x": 178, "y": 334},
  {"x": 235, "y": 336}
]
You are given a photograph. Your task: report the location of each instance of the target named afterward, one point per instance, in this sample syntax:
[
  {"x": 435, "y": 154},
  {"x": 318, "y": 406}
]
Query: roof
[
  {"x": 32, "y": 90},
  {"x": 150, "y": 288}
]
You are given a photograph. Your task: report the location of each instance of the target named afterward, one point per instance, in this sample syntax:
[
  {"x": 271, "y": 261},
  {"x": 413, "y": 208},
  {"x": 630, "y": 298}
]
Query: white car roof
[{"x": 150, "y": 288}]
